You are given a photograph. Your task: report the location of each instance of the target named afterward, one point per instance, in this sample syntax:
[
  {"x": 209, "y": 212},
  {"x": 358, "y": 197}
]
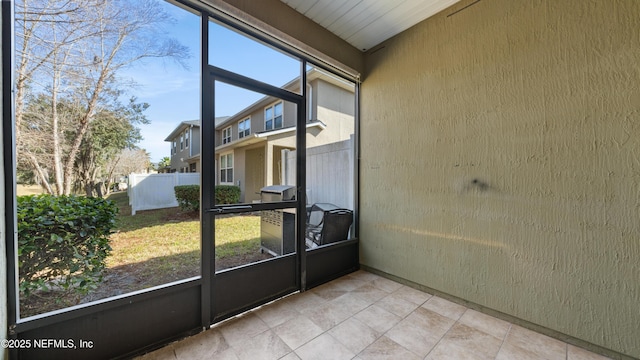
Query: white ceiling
[{"x": 366, "y": 23}]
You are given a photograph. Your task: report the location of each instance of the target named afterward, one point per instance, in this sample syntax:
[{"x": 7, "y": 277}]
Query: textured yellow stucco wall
[{"x": 500, "y": 162}]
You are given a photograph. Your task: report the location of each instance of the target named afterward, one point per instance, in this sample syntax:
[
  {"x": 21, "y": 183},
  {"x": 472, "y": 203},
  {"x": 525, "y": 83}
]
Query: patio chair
[{"x": 334, "y": 226}]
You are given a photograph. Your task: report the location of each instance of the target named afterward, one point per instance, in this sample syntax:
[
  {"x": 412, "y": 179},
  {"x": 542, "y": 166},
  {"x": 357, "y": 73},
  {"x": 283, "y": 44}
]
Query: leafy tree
[
  {"x": 164, "y": 162},
  {"x": 126, "y": 162},
  {"x": 69, "y": 53},
  {"x": 110, "y": 133}
]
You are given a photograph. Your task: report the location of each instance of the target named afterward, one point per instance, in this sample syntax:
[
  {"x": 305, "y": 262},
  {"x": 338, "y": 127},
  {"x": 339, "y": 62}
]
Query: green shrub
[
  {"x": 63, "y": 241},
  {"x": 227, "y": 194},
  {"x": 188, "y": 197}
]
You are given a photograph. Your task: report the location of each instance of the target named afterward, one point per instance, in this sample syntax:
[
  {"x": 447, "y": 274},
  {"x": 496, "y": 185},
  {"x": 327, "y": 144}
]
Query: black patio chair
[{"x": 333, "y": 227}]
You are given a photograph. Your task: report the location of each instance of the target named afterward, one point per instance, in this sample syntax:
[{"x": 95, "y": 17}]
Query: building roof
[
  {"x": 189, "y": 123},
  {"x": 293, "y": 85}
]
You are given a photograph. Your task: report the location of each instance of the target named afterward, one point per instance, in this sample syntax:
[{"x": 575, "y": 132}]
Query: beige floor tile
[
  {"x": 509, "y": 351},
  {"x": 267, "y": 345},
  {"x": 364, "y": 316},
  {"x": 290, "y": 356},
  {"x": 324, "y": 347},
  {"x": 348, "y": 283},
  {"x": 241, "y": 328},
  {"x": 464, "y": 342},
  {"x": 297, "y": 331},
  {"x": 378, "y": 318},
  {"x": 412, "y": 295},
  {"x": 536, "y": 344},
  {"x": 486, "y": 323},
  {"x": 166, "y": 353},
  {"x": 354, "y": 335},
  {"x": 330, "y": 294},
  {"x": 369, "y": 293},
  {"x": 397, "y": 305},
  {"x": 228, "y": 354},
  {"x": 445, "y": 307},
  {"x": 576, "y": 353},
  {"x": 420, "y": 331},
  {"x": 304, "y": 301},
  {"x": 385, "y": 284},
  {"x": 276, "y": 313},
  {"x": 328, "y": 291},
  {"x": 201, "y": 346},
  {"x": 350, "y": 303},
  {"x": 363, "y": 276},
  {"x": 327, "y": 316},
  {"x": 386, "y": 349}
]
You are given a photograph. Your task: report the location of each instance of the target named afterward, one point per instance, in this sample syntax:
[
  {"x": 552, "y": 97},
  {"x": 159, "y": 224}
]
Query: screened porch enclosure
[
  {"x": 236, "y": 267},
  {"x": 494, "y": 185}
]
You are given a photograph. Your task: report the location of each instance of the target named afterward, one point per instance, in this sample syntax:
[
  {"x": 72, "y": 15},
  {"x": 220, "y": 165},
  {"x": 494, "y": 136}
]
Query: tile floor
[{"x": 364, "y": 316}]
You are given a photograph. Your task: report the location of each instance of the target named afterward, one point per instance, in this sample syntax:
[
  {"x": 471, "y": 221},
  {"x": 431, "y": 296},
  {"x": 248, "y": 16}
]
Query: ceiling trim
[{"x": 367, "y": 23}]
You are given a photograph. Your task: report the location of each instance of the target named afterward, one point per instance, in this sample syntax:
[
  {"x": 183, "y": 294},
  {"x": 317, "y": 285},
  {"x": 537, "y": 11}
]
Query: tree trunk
[
  {"x": 107, "y": 187},
  {"x": 99, "y": 189},
  {"x": 41, "y": 174},
  {"x": 84, "y": 126},
  {"x": 88, "y": 189},
  {"x": 55, "y": 120}
]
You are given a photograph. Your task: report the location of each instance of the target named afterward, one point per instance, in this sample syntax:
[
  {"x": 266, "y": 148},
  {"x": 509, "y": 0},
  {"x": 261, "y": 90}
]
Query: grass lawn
[
  {"x": 150, "y": 246},
  {"x": 167, "y": 240},
  {"x": 156, "y": 247},
  {"x": 28, "y": 190}
]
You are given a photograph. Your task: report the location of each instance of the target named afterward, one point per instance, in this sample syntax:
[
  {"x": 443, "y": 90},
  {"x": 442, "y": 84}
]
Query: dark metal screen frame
[
  {"x": 9, "y": 165},
  {"x": 259, "y": 291}
]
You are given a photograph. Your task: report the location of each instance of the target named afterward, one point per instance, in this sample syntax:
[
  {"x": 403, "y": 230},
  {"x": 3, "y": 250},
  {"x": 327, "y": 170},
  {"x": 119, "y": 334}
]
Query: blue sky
[{"x": 173, "y": 92}]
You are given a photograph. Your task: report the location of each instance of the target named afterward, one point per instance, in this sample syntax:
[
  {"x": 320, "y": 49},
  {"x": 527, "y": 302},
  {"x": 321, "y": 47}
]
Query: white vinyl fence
[
  {"x": 330, "y": 173},
  {"x": 155, "y": 191}
]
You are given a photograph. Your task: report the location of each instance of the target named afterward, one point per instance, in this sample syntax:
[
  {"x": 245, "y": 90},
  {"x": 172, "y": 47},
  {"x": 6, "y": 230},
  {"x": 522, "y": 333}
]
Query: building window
[
  {"x": 226, "y": 168},
  {"x": 226, "y": 135},
  {"x": 244, "y": 128},
  {"x": 273, "y": 117},
  {"x": 173, "y": 147},
  {"x": 181, "y": 142},
  {"x": 186, "y": 139}
]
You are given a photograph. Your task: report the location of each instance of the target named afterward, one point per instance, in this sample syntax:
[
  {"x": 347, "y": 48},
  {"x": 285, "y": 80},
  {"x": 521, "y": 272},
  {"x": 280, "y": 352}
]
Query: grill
[
  {"x": 277, "y": 193},
  {"x": 277, "y": 227}
]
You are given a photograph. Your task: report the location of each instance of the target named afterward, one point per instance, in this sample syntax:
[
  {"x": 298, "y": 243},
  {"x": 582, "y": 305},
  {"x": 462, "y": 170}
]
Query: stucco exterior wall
[
  {"x": 178, "y": 161},
  {"x": 335, "y": 107},
  {"x": 501, "y": 162},
  {"x": 194, "y": 143}
]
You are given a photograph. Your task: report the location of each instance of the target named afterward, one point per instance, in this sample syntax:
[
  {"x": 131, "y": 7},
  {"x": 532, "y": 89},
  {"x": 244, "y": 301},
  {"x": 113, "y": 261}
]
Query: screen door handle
[
  {"x": 238, "y": 207},
  {"x": 220, "y": 210}
]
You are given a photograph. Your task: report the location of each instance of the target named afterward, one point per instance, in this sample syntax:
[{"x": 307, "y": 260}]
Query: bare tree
[
  {"x": 69, "y": 53},
  {"x": 128, "y": 161}
]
